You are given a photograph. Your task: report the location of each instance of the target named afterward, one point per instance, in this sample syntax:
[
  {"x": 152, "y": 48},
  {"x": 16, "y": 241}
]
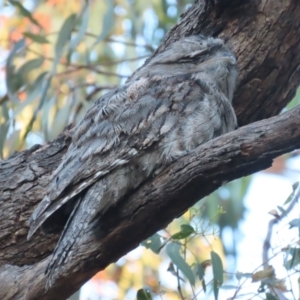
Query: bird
[{"x": 179, "y": 100}]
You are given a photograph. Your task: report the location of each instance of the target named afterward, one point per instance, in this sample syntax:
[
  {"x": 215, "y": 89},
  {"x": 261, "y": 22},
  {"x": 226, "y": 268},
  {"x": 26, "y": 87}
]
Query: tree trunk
[{"x": 264, "y": 35}]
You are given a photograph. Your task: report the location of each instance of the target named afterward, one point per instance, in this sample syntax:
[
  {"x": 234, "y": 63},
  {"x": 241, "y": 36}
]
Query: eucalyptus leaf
[
  {"x": 143, "y": 294},
  {"x": 186, "y": 231},
  {"x": 13, "y": 81},
  {"x": 201, "y": 272},
  {"x": 36, "y": 38},
  {"x": 44, "y": 90},
  {"x": 173, "y": 251},
  {"x": 29, "y": 66},
  {"x": 63, "y": 37},
  {"x": 270, "y": 297},
  {"x": 153, "y": 243},
  {"x": 295, "y": 260},
  {"x": 61, "y": 120},
  {"x": 295, "y": 185},
  {"x": 295, "y": 223},
  {"x": 32, "y": 93},
  {"x": 24, "y": 12},
  {"x": 282, "y": 210},
  {"x": 45, "y": 118},
  {"x": 203, "y": 285},
  {"x": 108, "y": 21},
  {"x": 218, "y": 272},
  {"x": 4, "y": 126},
  {"x": 45, "y": 86},
  {"x": 82, "y": 29},
  {"x": 291, "y": 196}
]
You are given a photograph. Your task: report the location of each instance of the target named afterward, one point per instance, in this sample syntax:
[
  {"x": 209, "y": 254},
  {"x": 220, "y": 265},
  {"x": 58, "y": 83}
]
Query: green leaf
[
  {"x": 36, "y": 38},
  {"x": 295, "y": 260},
  {"x": 218, "y": 272},
  {"x": 295, "y": 185},
  {"x": 108, "y": 21},
  {"x": 13, "y": 81},
  {"x": 270, "y": 297},
  {"x": 61, "y": 119},
  {"x": 295, "y": 223},
  {"x": 24, "y": 12},
  {"x": 44, "y": 90},
  {"x": 203, "y": 285},
  {"x": 282, "y": 210},
  {"x": 29, "y": 66},
  {"x": 32, "y": 93},
  {"x": 173, "y": 251},
  {"x": 143, "y": 294},
  {"x": 186, "y": 230},
  {"x": 291, "y": 196},
  {"x": 153, "y": 243},
  {"x": 63, "y": 37},
  {"x": 82, "y": 29},
  {"x": 45, "y": 87},
  {"x": 47, "y": 130},
  {"x": 65, "y": 34},
  {"x": 201, "y": 272},
  {"x": 3, "y": 127}
]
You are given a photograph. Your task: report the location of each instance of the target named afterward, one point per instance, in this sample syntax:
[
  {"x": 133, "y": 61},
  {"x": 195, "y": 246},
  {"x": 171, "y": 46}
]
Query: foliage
[
  {"x": 60, "y": 57},
  {"x": 192, "y": 270}
]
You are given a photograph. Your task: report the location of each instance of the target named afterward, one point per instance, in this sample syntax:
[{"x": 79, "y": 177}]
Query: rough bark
[{"x": 265, "y": 36}]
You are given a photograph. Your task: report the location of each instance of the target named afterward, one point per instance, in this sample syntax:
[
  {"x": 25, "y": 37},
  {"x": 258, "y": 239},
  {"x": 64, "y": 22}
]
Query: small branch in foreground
[{"x": 277, "y": 218}]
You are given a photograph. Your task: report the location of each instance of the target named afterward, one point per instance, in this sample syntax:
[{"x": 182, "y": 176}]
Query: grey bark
[{"x": 264, "y": 35}]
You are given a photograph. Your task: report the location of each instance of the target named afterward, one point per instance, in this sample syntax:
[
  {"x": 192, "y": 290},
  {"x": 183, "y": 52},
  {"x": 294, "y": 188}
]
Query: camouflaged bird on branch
[{"x": 178, "y": 101}]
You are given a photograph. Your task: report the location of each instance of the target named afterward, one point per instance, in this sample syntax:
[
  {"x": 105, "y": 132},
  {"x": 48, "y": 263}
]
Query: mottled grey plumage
[{"x": 179, "y": 100}]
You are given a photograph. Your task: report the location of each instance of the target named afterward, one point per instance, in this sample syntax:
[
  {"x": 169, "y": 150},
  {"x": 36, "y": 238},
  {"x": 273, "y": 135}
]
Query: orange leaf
[{"x": 267, "y": 273}]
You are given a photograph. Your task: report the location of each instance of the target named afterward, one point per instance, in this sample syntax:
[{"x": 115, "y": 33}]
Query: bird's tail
[{"x": 74, "y": 230}]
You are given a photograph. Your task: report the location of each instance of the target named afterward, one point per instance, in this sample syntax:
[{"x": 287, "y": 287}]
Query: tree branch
[
  {"x": 265, "y": 37},
  {"x": 242, "y": 152}
]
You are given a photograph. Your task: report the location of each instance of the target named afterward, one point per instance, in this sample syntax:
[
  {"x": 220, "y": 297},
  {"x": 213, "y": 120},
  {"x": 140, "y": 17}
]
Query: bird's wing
[{"x": 116, "y": 129}]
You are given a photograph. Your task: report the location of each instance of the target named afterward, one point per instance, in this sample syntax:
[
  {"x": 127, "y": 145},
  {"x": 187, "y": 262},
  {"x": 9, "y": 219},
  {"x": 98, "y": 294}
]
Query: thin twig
[
  {"x": 97, "y": 86},
  {"x": 111, "y": 40},
  {"x": 40, "y": 54},
  {"x": 115, "y": 62},
  {"x": 267, "y": 241},
  {"x": 178, "y": 284},
  {"x": 92, "y": 68},
  {"x": 277, "y": 219},
  {"x": 111, "y": 63}
]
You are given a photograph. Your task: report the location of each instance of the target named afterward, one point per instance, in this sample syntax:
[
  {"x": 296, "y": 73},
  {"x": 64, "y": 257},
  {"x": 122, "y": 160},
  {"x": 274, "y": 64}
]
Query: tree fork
[{"x": 264, "y": 35}]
